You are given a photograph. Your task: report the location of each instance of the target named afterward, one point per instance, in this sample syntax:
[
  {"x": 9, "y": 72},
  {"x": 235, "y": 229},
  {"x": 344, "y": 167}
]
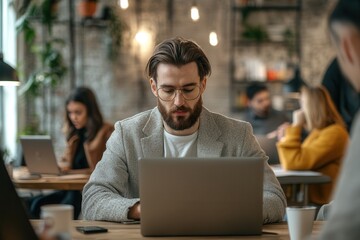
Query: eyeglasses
[{"x": 169, "y": 93}]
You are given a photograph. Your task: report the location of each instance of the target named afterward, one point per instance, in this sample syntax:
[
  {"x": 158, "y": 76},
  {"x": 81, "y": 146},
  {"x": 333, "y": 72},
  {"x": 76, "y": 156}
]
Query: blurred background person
[
  {"x": 86, "y": 134},
  {"x": 343, "y": 94},
  {"x": 324, "y": 147},
  {"x": 260, "y": 113},
  {"x": 344, "y": 218}
]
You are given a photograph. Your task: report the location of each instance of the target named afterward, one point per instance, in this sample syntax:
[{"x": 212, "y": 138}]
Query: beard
[
  {"x": 179, "y": 123},
  {"x": 263, "y": 113},
  {"x": 266, "y": 111}
]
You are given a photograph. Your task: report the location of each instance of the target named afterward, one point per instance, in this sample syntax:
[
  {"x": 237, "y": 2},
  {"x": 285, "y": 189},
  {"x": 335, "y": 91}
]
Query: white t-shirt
[{"x": 180, "y": 146}]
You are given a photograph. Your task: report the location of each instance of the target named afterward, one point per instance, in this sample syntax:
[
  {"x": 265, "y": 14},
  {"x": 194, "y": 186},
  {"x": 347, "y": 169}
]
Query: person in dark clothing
[
  {"x": 260, "y": 113},
  {"x": 86, "y": 134},
  {"x": 343, "y": 94}
]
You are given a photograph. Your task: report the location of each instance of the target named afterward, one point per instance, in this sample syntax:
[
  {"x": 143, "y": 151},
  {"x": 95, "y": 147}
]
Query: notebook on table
[
  {"x": 40, "y": 157},
  {"x": 201, "y": 196}
]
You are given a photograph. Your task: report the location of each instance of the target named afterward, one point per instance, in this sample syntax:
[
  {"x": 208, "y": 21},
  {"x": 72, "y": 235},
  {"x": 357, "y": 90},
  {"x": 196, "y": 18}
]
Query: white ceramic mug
[
  {"x": 300, "y": 221},
  {"x": 57, "y": 219}
]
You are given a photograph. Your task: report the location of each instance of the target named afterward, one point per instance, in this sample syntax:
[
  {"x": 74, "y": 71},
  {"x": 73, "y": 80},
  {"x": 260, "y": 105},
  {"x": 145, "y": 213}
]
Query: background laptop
[
  {"x": 198, "y": 196},
  {"x": 269, "y": 146},
  {"x": 14, "y": 222},
  {"x": 39, "y": 154}
]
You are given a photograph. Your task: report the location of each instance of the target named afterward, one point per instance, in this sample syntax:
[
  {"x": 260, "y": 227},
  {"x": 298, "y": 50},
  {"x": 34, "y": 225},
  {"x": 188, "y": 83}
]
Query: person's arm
[
  {"x": 95, "y": 148},
  {"x": 111, "y": 190},
  {"x": 135, "y": 211},
  {"x": 274, "y": 201},
  {"x": 318, "y": 149},
  {"x": 66, "y": 160},
  {"x": 344, "y": 217}
]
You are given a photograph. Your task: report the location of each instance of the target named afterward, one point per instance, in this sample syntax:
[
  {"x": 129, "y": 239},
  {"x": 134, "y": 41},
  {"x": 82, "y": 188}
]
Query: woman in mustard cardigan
[
  {"x": 86, "y": 134},
  {"x": 324, "y": 147}
]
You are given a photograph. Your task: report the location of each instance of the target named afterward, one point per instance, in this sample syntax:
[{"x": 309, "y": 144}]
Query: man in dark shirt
[
  {"x": 345, "y": 97},
  {"x": 263, "y": 118}
]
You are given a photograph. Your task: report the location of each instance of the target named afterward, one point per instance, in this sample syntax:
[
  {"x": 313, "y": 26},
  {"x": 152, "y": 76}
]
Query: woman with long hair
[
  {"x": 324, "y": 147},
  {"x": 86, "y": 134}
]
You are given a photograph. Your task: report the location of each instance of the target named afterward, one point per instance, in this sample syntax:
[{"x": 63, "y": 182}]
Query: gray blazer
[{"x": 113, "y": 186}]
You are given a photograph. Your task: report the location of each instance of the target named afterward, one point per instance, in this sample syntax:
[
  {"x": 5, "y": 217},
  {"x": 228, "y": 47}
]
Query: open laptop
[
  {"x": 269, "y": 146},
  {"x": 201, "y": 196},
  {"x": 39, "y": 155},
  {"x": 14, "y": 222}
]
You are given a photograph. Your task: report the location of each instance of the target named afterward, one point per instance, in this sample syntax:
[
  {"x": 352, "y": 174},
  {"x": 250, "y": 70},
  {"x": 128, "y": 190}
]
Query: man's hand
[{"x": 134, "y": 212}]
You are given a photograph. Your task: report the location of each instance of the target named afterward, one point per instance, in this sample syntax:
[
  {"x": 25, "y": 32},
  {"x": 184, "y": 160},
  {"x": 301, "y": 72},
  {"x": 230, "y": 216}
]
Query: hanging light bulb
[
  {"x": 194, "y": 13},
  {"x": 124, "y": 4},
  {"x": 142, "y": 37},
  {"x": 213, "y": 39}
]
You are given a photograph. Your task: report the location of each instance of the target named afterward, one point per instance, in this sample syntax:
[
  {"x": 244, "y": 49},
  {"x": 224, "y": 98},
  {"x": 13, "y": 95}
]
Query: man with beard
[
  {"x": 263, "y": 118},
  {"x": 178, "y": 127}
]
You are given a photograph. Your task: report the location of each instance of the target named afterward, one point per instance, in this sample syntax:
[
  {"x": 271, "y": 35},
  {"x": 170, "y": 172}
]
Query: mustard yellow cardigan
[{"x": 321, "y": 151}]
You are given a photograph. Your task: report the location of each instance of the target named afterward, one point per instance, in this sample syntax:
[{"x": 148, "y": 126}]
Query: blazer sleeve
[
  {"x": 107, "y": 196},
  {"x": 318, "y": 149}
]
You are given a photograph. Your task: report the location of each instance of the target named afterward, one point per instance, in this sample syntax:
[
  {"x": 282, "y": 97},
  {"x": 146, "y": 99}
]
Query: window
[{"x": 8, "y": 95}]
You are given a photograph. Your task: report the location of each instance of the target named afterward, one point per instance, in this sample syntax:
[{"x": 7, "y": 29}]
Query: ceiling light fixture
[
  {"x": 124, "y": 4},
  {"x": 213, "y": 39},
  {"x": 194, "y": 12}
]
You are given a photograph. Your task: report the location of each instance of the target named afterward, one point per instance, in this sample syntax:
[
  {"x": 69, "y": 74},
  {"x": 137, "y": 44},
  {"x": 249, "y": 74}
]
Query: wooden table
[
  {"x": 122, "y": 231},
  {"x": 51, "y": 183},
  {"x": 303, "y": 178},
  {"x": 78, "y": 181},
  {"x": 66, "y": 182}
]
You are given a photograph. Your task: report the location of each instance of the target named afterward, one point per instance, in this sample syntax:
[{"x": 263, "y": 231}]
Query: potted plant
[
  {"x": 116, "y": 27},
  {"x": 49, "y": 65},
  {"x": 87, "y": 8}
]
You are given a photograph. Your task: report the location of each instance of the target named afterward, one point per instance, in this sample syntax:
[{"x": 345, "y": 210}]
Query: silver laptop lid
[
  {"x": 269, "y": 146},
  {"x": 201, "y": 196},
  {"x": 39, "y": 154}
]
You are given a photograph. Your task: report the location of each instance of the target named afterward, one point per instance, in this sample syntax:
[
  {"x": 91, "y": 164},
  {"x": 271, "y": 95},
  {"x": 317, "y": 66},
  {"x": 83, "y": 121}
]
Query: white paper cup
[
  {"x": 300, "y": 221},
  {"x": 57, "y": 219}
]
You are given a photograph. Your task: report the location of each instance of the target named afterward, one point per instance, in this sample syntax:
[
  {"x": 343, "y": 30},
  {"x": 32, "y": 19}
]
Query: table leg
[{"x": 306, "y": 194}]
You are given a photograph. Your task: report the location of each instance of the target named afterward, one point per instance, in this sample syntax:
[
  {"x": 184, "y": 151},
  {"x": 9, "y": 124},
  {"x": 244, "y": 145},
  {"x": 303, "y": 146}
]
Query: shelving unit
[{"x": 265, "y": 47}]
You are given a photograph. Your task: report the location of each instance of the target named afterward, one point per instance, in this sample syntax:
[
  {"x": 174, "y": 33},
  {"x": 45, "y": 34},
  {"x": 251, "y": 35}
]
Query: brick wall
[{"x": 120, "y": 84}]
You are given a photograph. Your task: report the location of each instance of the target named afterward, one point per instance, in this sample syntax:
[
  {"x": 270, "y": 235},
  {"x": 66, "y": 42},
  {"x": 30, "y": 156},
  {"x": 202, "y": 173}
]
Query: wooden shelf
[
  {"x": 239, "y": 15},
  {"x": 268, "y": 8}
]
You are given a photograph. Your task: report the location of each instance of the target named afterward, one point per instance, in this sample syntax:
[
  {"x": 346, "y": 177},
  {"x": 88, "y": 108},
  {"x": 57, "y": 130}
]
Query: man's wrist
[{"x": 134, "y": 211}]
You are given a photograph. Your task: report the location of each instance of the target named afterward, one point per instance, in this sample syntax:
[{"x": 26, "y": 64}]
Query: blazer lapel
[
  {"x": 208, "y": 144},
  {"x": 153, "y": 144}
]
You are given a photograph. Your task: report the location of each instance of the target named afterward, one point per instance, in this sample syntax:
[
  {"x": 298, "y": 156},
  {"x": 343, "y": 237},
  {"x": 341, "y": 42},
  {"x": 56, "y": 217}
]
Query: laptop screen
[
  {"x": 201, "y": 196},
  {"x": 39, "y": 154},
  {"x": 14, "y": 222}
]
